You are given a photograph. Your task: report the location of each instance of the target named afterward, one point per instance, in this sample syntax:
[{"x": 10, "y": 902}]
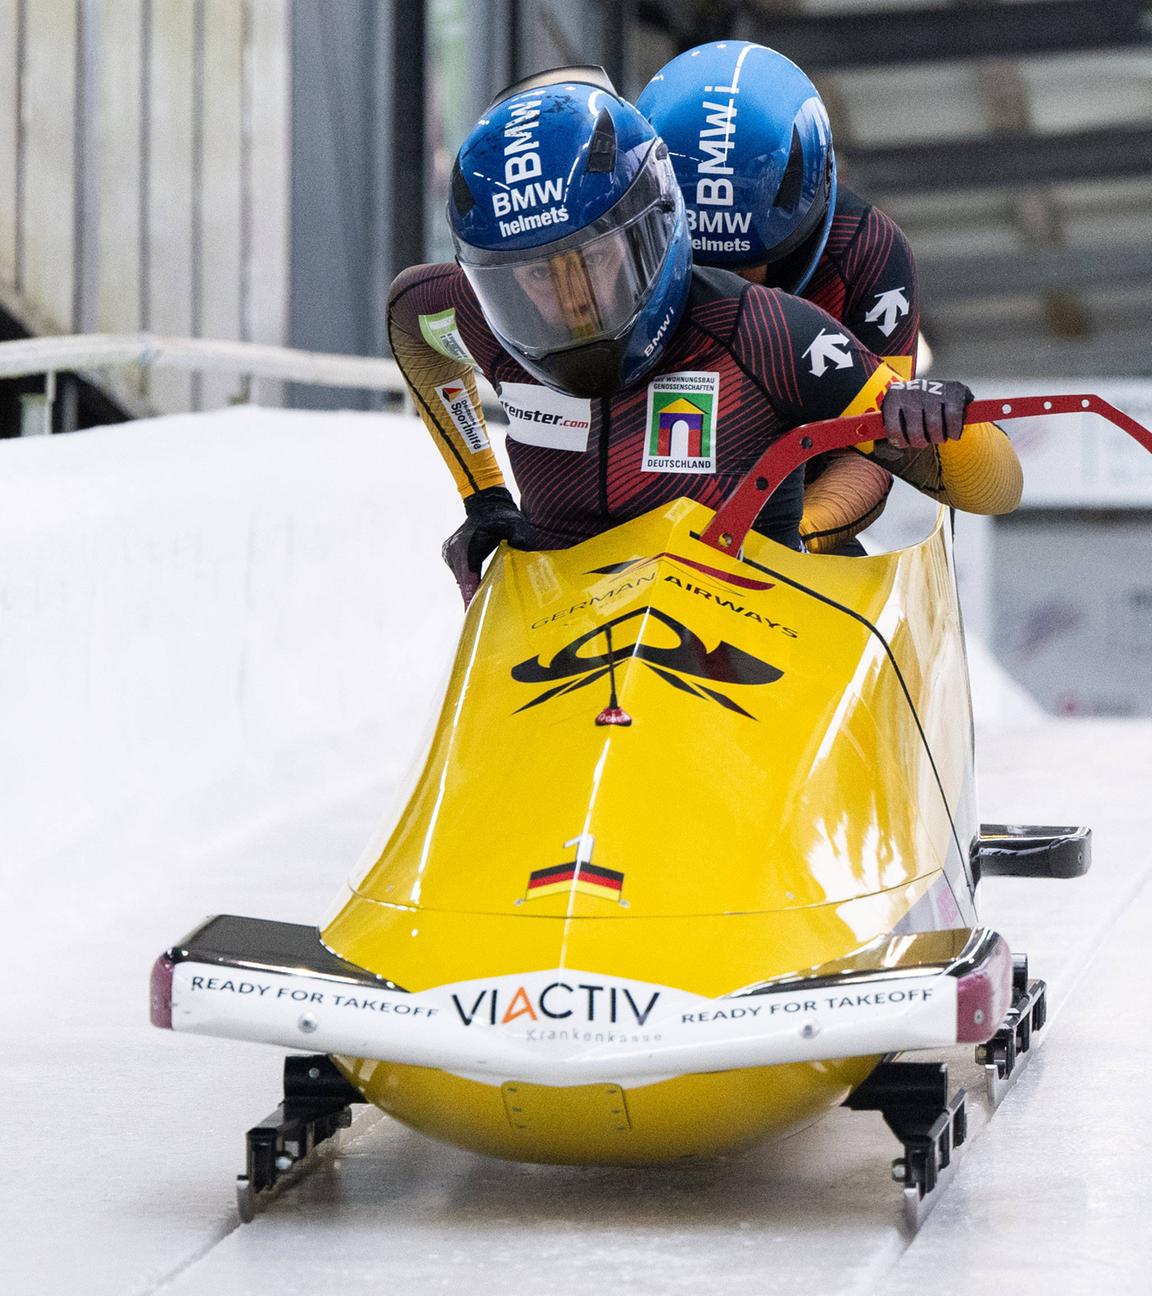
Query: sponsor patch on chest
[
  {"x": 539, "y": 416},
  {"x": 680, "y": 434}
]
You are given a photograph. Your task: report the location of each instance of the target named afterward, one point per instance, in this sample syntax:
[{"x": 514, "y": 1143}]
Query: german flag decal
[{"x": 575, "y": 876}]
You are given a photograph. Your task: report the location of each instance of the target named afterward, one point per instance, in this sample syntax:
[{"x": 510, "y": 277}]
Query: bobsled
[{"x": 692, "y": 856}]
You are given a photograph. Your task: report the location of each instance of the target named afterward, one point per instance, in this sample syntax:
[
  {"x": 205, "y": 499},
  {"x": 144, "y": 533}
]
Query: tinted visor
[{"x": 588, "y": 287}]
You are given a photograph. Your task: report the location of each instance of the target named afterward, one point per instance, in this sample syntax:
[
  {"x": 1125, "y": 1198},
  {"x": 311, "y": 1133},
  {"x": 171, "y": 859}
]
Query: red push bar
[{"x": 735, "y": 516}]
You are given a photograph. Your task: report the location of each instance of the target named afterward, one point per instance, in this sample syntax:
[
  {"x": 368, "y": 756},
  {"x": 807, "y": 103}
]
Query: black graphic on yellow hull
[{"x": 577, "y": 668}]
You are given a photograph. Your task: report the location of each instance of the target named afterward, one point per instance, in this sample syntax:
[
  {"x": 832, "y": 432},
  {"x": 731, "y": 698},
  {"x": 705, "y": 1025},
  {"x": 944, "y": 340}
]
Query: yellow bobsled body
[
  {"x": 693, "y": 846},
  {"x": 660, "y": 766}
]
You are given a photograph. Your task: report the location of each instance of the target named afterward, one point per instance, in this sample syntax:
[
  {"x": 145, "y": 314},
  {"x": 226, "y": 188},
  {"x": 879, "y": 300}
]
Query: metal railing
[
  {"x": 87, "y": 352},
  {"x": 102, "y": 350}
]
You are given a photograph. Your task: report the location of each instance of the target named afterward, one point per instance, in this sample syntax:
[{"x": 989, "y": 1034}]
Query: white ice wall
[{"x": 193, "y": 595}]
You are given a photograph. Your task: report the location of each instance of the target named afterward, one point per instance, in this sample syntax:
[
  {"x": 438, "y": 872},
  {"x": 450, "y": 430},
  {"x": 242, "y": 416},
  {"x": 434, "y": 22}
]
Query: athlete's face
[{"x": 567, "y": 288}]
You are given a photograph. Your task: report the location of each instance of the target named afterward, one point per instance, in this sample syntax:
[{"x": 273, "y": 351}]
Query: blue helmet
[
  {"x": 568, "y": 222},
  {"x": 752, "y": 147}
]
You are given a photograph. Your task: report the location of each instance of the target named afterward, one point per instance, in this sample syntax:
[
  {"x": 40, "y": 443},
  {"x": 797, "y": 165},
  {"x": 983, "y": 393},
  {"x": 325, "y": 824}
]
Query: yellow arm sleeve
[
  {"x": 979, "y": 473},
  {"x": 848, "y": 496},
  {"x": 443, "y": 389}
]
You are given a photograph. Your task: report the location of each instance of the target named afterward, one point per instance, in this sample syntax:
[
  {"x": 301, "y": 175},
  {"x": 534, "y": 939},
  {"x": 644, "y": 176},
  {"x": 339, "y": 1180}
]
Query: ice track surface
[{"x": 215, "y": 666}]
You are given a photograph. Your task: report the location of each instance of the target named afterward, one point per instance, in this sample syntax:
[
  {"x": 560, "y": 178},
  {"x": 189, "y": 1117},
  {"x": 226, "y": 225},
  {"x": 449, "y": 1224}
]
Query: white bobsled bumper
[{"x": 564, "y": 1027}]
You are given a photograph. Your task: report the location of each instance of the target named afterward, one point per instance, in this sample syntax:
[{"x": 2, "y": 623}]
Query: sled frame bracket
[
  {"x": 932, "y": 1125},
  {"x": 317, "y": 1103},
  {"x": 1009, "y": 1051}
]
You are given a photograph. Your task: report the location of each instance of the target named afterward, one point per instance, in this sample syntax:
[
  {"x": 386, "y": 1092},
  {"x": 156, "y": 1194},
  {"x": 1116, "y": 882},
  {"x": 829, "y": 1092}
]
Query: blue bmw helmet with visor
[
  {"x": 752, "y": 147},
  {"x": 568, "y": 222}
]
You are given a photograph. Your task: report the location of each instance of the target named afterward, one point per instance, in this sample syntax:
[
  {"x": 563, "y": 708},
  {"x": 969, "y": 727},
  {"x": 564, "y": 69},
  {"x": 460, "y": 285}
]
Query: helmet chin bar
[{"x": 587, "y": 371}]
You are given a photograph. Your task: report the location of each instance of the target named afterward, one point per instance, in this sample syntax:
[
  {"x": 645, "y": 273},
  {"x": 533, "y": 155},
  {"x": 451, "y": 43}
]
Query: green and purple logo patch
[{"x": 681, "y": 427}]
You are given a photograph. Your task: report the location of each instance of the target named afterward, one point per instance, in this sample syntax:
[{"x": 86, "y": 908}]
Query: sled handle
[{"x": 735, "y": 516}]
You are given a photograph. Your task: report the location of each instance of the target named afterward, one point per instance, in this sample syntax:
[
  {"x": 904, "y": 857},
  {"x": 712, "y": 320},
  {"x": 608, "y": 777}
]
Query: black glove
[
  {"x": 492, "y": 517},
  {"x": 922, "y": 413}
]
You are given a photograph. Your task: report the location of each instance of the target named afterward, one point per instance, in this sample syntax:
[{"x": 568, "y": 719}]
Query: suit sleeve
[
  {"x": 882, "y": 307},
  {"x": 845, "y": 493},
  {"x": 979, "y": 473},
  {"x": 812, "y": 368},
  {"x": 439, "y": 373},
  {"x": 808, "y": 364},
  {"x": 842, "y": 499}
]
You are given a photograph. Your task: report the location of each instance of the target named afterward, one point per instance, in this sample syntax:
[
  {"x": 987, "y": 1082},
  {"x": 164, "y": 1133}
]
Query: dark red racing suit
[
  {"x": 866, "y": 278},
  {"x": 745, "y": 364}
]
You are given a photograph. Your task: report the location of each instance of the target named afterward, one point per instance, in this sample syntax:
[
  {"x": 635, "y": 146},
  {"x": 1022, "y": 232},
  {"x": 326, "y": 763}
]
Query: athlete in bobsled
[
  {"x": 694, "y": 848},
  {"x": 576, "y": 296},
  {"x": 752, "y": 148}
]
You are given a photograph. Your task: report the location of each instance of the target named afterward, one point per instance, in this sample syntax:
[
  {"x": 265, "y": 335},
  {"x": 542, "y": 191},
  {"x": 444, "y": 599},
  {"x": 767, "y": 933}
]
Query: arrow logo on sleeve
[
  {"x": 829, "y": 348},
  {"x": 890, "y": 309}
]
